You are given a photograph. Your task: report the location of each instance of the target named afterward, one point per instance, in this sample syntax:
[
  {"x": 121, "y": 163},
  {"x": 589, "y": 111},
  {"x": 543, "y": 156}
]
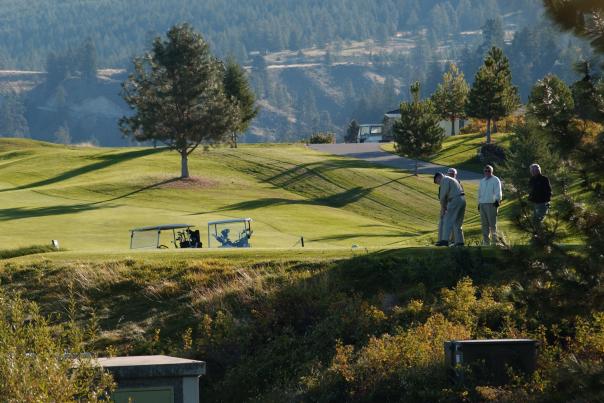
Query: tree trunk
[
  {"x": 416, "y": 164},
  {"x": 489, "y": 131},
  {"x": 495, "y": 129},
  {"x": 234, "y": 140},
  {"x": 184, "y": 164},
  {"x": 453, "y": 127}
]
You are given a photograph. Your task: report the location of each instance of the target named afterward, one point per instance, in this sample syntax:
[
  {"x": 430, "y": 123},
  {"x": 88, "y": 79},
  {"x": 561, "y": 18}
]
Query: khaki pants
[
  {"x": 453, "y": 219},
  {"x": 488, "y": 219},
  {"x": 441, "y": 230}
]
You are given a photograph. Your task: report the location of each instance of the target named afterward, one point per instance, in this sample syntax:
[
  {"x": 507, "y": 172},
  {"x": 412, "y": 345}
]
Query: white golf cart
[
  {"x": 183, "y": 236},
  {"x": 234, "y": 233}
]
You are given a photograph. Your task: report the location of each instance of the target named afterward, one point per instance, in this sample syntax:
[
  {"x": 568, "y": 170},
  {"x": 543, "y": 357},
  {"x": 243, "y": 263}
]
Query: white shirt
[{"x": 489, "y": 190}]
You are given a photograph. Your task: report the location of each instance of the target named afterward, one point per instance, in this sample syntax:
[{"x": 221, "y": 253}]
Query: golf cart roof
[
  {"x": 162, "y": 227},
  {"x": 230, "y": 221}
]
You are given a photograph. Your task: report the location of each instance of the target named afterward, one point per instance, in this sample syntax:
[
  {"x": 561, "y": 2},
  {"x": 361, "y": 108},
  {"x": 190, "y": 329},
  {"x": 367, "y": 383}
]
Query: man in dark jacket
[{"x": 540, "y": 194}]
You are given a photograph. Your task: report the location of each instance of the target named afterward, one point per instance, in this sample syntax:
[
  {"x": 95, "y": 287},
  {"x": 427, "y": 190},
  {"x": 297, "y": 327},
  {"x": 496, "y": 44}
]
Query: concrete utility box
[
  {"x": 155, "y": 379},
  {"x": 489, "y": 360}
]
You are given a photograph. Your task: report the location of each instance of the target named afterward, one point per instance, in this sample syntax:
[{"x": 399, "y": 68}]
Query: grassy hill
[
  {"x": 88, "y": 198},
  {"x": 460, "y": 151}
]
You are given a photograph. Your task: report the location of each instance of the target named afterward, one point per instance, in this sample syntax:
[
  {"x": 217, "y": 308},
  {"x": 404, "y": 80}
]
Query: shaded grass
[{"x": 28, "y": 250}]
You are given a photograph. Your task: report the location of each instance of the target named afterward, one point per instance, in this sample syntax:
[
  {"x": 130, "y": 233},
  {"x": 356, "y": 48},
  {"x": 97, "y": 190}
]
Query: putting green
[{"x": 88, "y": 198}]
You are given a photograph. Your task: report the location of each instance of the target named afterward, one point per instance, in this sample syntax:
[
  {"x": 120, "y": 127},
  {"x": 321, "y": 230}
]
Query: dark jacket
[{"x": 540, "y": 189}]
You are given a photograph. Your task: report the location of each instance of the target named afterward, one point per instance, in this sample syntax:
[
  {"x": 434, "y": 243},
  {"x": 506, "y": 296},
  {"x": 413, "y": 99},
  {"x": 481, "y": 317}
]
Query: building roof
[
  {"x": 162, "y": 227},
  {"x": 230, "y": 221}
]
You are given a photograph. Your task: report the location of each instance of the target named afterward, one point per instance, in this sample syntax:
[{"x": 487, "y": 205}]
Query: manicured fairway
[{"x": 88, "y": 198}]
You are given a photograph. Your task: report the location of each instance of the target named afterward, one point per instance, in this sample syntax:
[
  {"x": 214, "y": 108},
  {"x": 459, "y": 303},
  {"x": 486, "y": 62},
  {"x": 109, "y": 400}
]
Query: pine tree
[
  {"x": 177, "y": 95},
  {"x": 237, "y": 87},
  {"x": 552, "y": 105},
  {"x": 492, "y": 95},
  {"x": 417, "y": 133},
  {"x": 12, "y": 117},
  {"x": 451, "y": 96},
  {"x": 88, "y": 60},
  {"x": 583, "y": 18},
  {"x": 352, "y": 132}
]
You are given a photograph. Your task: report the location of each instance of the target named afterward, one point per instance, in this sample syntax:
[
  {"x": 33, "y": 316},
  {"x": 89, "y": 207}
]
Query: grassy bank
[
  {"x": 318, "y": 326},
  {"x": 460, "y": 151}
]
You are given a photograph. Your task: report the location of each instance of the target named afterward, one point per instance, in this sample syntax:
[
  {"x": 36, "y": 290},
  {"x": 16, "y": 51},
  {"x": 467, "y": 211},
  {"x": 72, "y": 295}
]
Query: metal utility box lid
[
  {"x": 155, "y": 378},
  {"x": 489, "y": 361}
]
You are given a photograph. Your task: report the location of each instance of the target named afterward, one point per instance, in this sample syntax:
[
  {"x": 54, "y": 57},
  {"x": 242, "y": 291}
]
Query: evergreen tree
[
  {"x": 88, "y": 60},
  {"x": 552, "y": 105},
  {"x": 177, "y": 95},
  {"x": 493, "y": 36},
  {"x": 12, "y": 117},
  {"x": 237, "y": 87},
  {"x": 352, "y": 132},
  {"x": 62, "y": 135},
  {"x": 451, "y": 96},
  {"x": 417, "y": 133},
  {"x": 492, "y": 95},
  {"x": 57, "y": 69},
  {"x": 582, "y": 17}
]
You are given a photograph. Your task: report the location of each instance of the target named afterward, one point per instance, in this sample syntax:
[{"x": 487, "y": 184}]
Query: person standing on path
[
  {"x": 489, "y": 199},
  {"x": 453, "y": 208},
  {"x": 540, "y": 194},
  {"x": 452, "y": 172}
]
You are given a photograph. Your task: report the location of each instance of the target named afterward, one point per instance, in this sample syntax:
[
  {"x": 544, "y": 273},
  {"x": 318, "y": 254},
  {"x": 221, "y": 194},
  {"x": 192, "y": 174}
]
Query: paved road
[{"x": 373, "y": 153}]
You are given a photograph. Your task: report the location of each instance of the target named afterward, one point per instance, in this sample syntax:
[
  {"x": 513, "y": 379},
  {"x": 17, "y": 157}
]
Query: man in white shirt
[{"x": 489, "y": 199}]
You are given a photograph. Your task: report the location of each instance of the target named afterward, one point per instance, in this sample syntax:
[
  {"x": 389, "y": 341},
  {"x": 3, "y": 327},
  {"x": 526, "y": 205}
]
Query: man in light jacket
[
  {"x": 452, "y": 172},
  {"x": 452, "y": 208},
  {"x": 489, "y": 199}
]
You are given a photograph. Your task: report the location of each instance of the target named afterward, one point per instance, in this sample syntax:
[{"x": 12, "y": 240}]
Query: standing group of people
[{"x": 452, "y": 199}]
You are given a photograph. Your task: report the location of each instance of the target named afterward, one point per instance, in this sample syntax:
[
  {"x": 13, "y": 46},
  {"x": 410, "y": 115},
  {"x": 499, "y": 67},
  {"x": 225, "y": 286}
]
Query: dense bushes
[
  {"x": 322, "y": 138},
  {"x": 42, "y": 362},
  {"x": 362, "y": 329}
]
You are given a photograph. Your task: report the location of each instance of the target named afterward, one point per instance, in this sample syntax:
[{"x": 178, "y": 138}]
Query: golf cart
[
  {"x": 235, "y": 233},
  {"x": 183, "y": 236}
]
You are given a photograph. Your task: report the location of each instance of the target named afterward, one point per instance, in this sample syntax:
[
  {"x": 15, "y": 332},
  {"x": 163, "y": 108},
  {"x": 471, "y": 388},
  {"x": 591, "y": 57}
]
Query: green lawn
[
  {"x": 461, "y": 151},
  {"x": 88, "y": 198}
]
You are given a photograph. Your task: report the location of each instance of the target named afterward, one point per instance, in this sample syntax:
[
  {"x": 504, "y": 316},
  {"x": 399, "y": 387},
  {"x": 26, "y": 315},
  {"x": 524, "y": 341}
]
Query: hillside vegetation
[
  {"x": 30, "y": 30},
  {"x": 461, "y": 151},
  {"x": 316, "y": 325},
  {"x": 88, "y": 198}
]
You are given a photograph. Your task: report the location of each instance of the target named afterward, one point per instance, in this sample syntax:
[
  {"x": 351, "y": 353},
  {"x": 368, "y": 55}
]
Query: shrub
[
  {"x": 28, "y": 250},
  {"x": 322, "y": 138},
  {"x": 38, "y": 360},
  {"x": 407, "y": 365}
]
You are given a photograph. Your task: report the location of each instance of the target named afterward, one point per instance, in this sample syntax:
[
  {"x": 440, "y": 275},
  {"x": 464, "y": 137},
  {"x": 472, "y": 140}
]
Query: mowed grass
[
  {"x": 461, "y": 151},
  {"x": 88, "y": 198}
]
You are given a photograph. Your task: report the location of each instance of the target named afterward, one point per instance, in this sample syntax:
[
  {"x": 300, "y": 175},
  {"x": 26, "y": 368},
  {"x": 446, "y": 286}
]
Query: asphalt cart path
[{"x": 372, "y": 152}]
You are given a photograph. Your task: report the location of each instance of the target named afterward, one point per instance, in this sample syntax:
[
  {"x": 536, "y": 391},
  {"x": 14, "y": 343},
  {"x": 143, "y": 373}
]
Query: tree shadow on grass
[
  {"x": 343, "y": 237},
  {"x": 105, "y": 161},
  {"x": 16, "y": 213},
  {"x": 337, "y": 200}
]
